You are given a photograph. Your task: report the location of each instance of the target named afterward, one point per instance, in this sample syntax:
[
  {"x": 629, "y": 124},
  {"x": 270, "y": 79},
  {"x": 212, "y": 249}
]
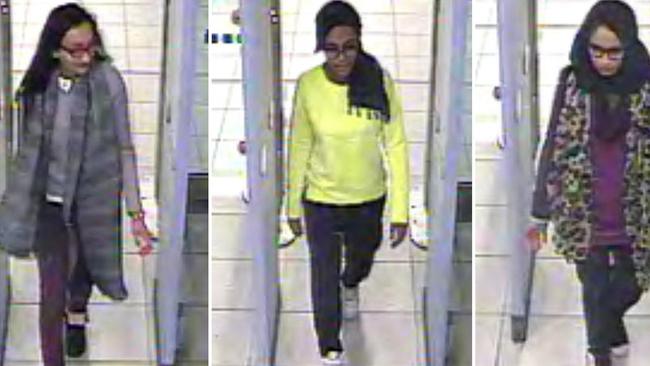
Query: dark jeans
[
  {"x": 609, "y": 289},
  {"x": 362, "y": 232},
  {"x": 59, "y": 287}
]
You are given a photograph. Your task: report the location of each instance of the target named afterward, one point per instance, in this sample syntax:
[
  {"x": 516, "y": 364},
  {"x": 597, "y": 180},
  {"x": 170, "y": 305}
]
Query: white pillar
[
  {"x": 519, "y": 124},
  {"x": 175, "y": 164},
  {"x": 261, "y": 78},
  {"x": 450, "y": 68}
]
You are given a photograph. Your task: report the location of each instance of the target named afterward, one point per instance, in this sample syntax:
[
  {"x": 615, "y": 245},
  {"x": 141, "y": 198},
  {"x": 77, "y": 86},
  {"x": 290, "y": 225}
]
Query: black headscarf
[
  {"x": 611, "y": 94},
  {"x": 366, "y": 80}
]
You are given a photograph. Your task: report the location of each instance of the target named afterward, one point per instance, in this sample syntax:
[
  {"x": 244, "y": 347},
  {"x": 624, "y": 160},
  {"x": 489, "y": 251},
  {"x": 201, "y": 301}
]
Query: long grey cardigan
[{"x": 100, "y": 159}]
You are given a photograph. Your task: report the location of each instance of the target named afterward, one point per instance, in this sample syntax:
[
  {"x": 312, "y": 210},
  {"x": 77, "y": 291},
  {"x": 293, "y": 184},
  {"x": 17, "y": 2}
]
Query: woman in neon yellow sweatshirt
[{"x": 347, "y": 141}]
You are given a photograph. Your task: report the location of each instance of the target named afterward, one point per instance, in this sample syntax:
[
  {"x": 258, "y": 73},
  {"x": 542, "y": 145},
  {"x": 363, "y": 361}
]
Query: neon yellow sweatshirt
[{"x": 341, "y": 158}]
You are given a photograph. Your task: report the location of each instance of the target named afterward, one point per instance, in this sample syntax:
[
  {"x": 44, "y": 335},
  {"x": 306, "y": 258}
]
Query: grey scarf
[{"x": 92, "y": 196}]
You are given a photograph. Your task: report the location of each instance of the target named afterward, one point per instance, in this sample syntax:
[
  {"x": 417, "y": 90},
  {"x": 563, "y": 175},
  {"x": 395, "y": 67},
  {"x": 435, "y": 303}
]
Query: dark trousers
[
  {"x": 59, "y": 287},
  {"x": 362, "y": 233},
  {"x": 609, "y": 289}
]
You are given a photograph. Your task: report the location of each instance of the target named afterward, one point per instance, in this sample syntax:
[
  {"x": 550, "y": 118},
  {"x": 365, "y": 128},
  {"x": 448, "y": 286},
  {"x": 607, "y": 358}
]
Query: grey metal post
[
  {"x": 278, "y": 126},
  {"x": 431, "y": 116},
  {"x": 7, "y": 140},
  {"x": 518, "y": 105},
  {"x": 173, "y": 203},
  {"x": 162, "y": 107},
  {"x": 443, "y": 180},
  {"x": 262, "y": 216}
]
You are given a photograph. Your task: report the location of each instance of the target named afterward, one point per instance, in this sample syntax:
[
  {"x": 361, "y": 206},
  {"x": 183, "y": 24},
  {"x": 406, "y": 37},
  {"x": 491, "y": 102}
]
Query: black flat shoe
[{"x": 75, "y": 340}]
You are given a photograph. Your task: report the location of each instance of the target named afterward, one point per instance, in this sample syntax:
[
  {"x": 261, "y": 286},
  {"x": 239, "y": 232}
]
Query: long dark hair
[{"x": 58, "y": 23}]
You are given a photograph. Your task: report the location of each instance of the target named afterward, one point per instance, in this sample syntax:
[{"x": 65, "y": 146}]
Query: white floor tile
[
  {"x": 544, "y": 345},
  {"x": 486, "y": 338},
  {"x": 230, "y": 342},
  {"x": 491, "y": 284},
  {"x": 556, "y": 289},
  {"x": 228, "y": 241},
  {"x": 107, "y": 339},
  {"x": 231, "y": 285},
  {"x": 375, "y": 340}
]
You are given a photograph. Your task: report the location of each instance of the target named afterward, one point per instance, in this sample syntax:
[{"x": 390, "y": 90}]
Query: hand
[
  {"x": 235, "y": 17},
  {"x": 397, "y": 233},
  {"x": 536, "y": 236},
  {"x": 295, "y": 225},
  {"x": 142, "y": 236},
  {"x": 241, "y": 147}
]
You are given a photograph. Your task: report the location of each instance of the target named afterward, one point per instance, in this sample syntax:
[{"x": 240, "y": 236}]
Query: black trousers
[
  {"x": 61, "y": 287},
  {"x": 361, "y": 227},
  {"x": 609, "y": 289}
]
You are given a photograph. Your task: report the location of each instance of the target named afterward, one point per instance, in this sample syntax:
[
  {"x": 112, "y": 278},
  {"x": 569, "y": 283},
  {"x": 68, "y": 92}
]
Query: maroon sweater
[{"x": 608, "y": 161}]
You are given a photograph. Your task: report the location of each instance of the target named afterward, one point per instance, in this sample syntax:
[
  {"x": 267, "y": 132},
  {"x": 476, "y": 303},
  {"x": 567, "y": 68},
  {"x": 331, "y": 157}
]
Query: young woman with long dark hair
[{"x": 75, "y": 163}]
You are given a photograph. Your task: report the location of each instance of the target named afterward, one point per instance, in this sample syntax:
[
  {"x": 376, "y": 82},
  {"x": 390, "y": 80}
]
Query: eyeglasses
[
  {"x": 612, "y": 54},
  {"x": 79, "y": 52},
  {"x": 333, "y": 51}
]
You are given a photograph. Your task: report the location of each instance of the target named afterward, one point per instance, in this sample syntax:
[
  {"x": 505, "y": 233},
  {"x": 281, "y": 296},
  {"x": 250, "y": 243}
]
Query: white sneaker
[
  {"x": 333, "y": 358},
  {"x": 350, "y": 302},
  {"x": 591, "y": 361},
  {"x": 622, "y": 351}
]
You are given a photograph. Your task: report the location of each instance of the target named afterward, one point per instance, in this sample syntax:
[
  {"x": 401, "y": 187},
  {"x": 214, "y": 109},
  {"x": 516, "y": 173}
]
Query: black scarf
[
  {"x": 610, "y": 115},
  {"x": 366, "y": 81},
  {"x": 610, "y": 95}
]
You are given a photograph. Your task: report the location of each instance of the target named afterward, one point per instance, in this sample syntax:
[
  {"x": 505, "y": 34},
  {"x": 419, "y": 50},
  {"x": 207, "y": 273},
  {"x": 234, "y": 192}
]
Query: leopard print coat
[{"x": 569, "y": 180}]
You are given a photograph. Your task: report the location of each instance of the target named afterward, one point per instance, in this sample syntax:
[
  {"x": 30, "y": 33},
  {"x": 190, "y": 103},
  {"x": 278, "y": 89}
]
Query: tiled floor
[
  {"x": 556, "y": 302},
  {"x": 398, "y": 33},
  {"x": 132, "y": 33}
]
